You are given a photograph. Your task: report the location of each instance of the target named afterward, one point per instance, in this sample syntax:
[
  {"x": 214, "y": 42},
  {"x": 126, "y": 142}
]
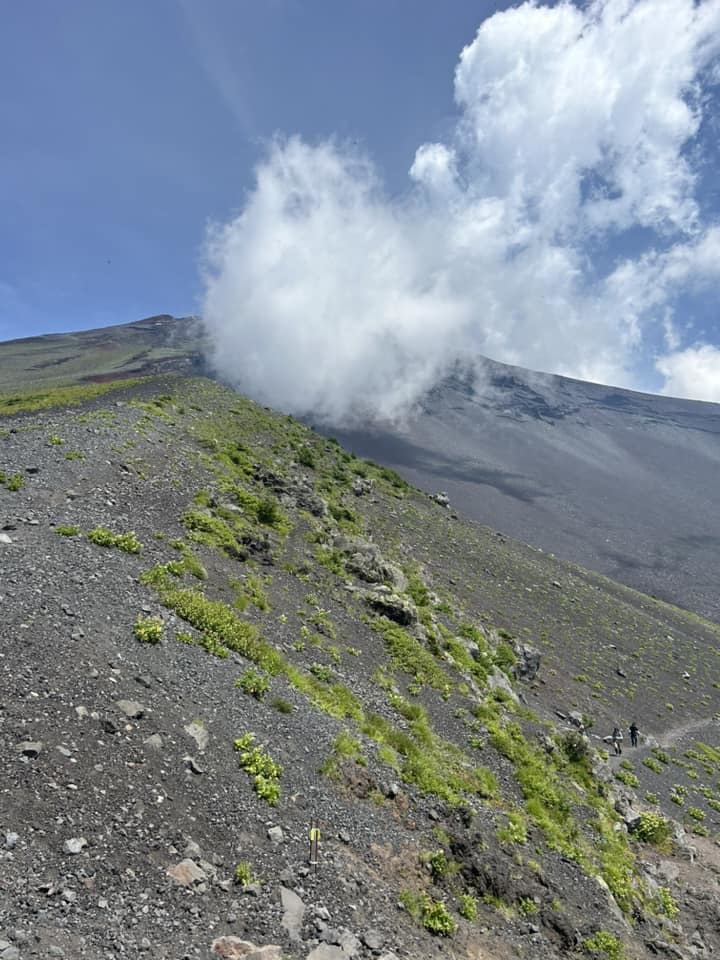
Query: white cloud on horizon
[
  {"x": 693, "y": 373},
  {"x": 325, "y": 296}
]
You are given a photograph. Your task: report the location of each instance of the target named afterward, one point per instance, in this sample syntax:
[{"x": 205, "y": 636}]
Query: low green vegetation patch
[
  {"x": 60, "y": 396},
  {"x": 215, "y": 532},
  {"x": 432, "y": 914},
  {"x": 243, "y": 875},
  {"x": 66, "y": 530},
  {"x": 148, "y": 629},
  {"x": 251, "y": 590},
  {"x": 12, "y": 483},
  {"x": 219, "y": 625},
  {"x": 335, "y": 699},
  {"x": 653, "y": 828},
  {"x": 346, "y": 747},
  {"x": 261, "y": 767},
  {"x": 604, "y": 945},
  {"x": 254, "y": 683},
  {"x": 410, "y": 656},
  {"x": 123, "y": 541},
  {"x": 430, "y": 763}
]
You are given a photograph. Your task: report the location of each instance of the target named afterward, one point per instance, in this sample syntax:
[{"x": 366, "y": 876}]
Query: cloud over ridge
[{"x": 578, "y": 136}]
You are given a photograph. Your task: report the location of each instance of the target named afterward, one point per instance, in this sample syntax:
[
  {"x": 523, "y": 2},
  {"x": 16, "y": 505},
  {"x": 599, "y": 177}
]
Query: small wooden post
[{"x": 314, "y": 844}]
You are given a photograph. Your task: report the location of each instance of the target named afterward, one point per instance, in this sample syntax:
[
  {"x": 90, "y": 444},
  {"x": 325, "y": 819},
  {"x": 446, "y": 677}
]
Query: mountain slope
[
  {"x": 375, "y": 645},
  {"x": 620, "y": 482}
]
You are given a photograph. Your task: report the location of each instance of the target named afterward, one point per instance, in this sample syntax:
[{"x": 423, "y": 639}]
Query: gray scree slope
[{"x": 621, "y": 482}]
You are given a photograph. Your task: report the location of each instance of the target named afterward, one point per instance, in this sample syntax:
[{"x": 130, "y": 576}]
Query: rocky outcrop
[
  {"x": 366, "y": 561},
  {"x": 527, "y": 663},
  {"x": 399, "y": 609}
]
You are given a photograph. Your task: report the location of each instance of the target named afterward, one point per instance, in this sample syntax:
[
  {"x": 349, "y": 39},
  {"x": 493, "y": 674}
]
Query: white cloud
[
  {"x": 325, "y": 296},
  {"x": 693, "y": 373}
]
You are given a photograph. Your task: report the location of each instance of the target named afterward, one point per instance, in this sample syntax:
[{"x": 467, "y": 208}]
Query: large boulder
[
  {"x": 497, "y": 680},
  {"x": 527, "y": 664},
  {"x": 399, "y": 609},
  {"x": 366, "y": 561}
]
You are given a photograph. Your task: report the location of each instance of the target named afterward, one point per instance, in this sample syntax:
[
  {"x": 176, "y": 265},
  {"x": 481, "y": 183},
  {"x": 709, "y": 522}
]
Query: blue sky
[
  {"x": 354, "y": 194},
  {"x": 126, "y": 126}
]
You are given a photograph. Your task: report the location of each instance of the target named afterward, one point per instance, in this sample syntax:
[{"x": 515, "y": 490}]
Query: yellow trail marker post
[{"x": 314, "y": 844}]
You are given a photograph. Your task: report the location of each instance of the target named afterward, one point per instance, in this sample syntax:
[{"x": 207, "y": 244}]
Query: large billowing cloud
[{"x": 577, "y": 137}]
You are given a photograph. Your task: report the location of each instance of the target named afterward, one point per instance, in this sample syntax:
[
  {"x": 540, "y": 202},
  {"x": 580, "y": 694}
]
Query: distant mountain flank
[
  {"x": 159, "y": 344},
  {"x": 620, "y": 482}
]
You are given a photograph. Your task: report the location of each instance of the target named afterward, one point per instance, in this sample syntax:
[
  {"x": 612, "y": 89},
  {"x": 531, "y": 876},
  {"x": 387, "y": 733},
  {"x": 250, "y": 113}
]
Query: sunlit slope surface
[
  {"x": 621, "y": 482},
  {"x": 158, "y": 344}
]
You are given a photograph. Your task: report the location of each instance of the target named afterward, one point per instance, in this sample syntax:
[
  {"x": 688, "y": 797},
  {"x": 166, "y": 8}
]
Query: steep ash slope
[
  {"x": 372, "y": 642},
  {"x": 623, "y": 483}
]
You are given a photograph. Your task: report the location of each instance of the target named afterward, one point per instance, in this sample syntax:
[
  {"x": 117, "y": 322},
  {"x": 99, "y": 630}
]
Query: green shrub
[
  {"x": 123, "y": 541},
  {"x": 268, "y": 512},
  {"x": 665, "y": 903},
  {"x": 652, "y": 764},
  {"x": 437, "y": 864},
  {"x": 148, "y": 629},
  {"x": 575, "y": 746},
  {"x": 604, "y": 944},
  {"x": 432, "y": 914},
  {"x": 254, "y": 683},
  {"x": 653, "y": 828},
  {"x": 504, "y": 656},
  {"x": 261, "y": 767},
  {"x": 417, "y": 590},
  {"x": 468, "y": 907},
  {"x": 219, "y": 623},
  {"x": 322, "y": 672},
  {"x": 528, "y": 907},
  {"x": 243, "y": 874},
  {"x": 15, "y": 483},
  {"x": 436, "y": 918},
  {"x": 410, "y": 656},
  {"x": 629, "y": 779},
  {"x": 55, "y": 441},
  {"x": 514, "y": 830},
  {"x": 306, "y": 458},
  {"x": 64, "y": 530},
  {"x": 334, "y": 699}
]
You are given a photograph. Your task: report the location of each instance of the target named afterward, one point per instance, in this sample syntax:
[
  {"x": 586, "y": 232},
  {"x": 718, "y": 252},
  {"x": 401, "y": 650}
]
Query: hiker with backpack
[{"x": 634, "y": 730}]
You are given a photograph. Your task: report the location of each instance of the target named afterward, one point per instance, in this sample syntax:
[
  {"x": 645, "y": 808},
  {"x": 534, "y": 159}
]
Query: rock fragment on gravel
[
  {"x": 30, "y": 748},
  {"x": 233, "y": 948},
  {"x": 294, "y": 911},
  {"x": 74, "y": 845},
  {"x": 192, "y": 765},
  {"x": 131, "y": 708},
  {"x": 327, "y": 951},
  {"x": 199, "y": 734},
  {"x": 187, "y": 873}
]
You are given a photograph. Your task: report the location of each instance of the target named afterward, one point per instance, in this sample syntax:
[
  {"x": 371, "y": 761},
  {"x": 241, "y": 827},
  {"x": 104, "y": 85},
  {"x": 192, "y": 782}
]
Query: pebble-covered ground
[{"x": 128, "y": 826}]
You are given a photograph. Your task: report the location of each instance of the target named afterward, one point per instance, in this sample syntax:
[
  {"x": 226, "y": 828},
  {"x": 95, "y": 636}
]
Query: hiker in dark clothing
[
  {"x": 617, "y": 739},
  {"x": 634, "y": 730}
]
